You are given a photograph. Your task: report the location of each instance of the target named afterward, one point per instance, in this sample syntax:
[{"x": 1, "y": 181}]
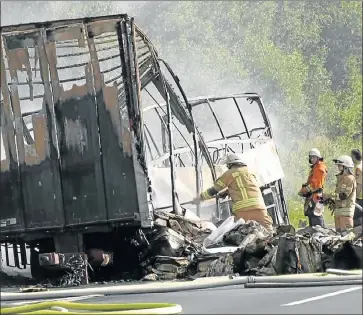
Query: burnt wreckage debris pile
[{"x": 186, "y": 248}]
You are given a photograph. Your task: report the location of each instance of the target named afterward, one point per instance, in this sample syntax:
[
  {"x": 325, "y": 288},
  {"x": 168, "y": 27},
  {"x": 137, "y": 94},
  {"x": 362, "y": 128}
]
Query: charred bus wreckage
[{"x": 102, "y": 153}]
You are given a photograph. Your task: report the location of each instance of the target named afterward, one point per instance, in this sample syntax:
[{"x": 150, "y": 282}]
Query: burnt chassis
[{"x": 212, "y": 115}]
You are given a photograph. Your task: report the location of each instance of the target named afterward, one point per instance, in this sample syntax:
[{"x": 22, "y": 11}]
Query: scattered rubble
[
  {"x": 185, "y": 248},
  {"x": 181, "y": 247}
]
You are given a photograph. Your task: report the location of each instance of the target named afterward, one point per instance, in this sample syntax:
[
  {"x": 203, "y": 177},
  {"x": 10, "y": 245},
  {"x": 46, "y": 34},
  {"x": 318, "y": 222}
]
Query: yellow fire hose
[{"x": 57, "y": 307}]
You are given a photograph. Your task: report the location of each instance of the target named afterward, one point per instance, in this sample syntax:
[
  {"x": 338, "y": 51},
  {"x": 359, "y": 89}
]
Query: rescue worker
[
  {"x": 356, "y": 155},
  {"x": 242, "y": 186},
  {"x": 312, "y": 190},
  {"x": 344, "y": 195}
]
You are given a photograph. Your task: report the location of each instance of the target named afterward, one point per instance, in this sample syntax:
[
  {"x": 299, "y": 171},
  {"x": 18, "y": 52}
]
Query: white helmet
[
  {"x": 315, "y": 152},
  {"x": 233, "y": 158},
  {"x": 344, "y": 160}
]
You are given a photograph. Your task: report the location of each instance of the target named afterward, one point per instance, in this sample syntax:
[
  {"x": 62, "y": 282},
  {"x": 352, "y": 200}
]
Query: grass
[{"x": 296, "y": 214}]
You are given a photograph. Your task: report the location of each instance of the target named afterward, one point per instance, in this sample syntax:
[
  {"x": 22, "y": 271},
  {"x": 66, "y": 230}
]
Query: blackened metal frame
[{"x": 225, "y": 140}]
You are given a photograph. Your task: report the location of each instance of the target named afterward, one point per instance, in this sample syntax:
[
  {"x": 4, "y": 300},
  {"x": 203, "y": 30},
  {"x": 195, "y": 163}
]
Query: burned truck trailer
[
  {"x": 73, "y": 164},
  {"x": 79, "y": 175}
]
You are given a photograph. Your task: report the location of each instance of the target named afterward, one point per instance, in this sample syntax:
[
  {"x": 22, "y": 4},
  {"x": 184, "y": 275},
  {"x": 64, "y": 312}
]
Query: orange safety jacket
[
  {"x": 316, "y": 180},
  {"x": 242, "y": 188}
]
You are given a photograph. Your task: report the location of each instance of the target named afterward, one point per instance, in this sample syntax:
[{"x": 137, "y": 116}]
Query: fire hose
[
  {"x": 344, "y": 272},
  {"x": 203, "y": 283},
  {"x": 56, "y": 307}
]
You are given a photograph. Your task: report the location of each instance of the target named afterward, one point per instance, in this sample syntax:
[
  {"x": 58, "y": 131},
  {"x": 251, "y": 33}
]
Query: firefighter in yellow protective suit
[
  {"x": 344, "y": 195},
  {"x": 244, "y": 191},
  {"x": 356, "y": 155}
]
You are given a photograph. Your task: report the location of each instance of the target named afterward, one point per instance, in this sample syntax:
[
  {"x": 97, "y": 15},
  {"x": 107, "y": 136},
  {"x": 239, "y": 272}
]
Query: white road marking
[
  {"x": 69, "y": 299},
  {"x": 319, "y": 297}
]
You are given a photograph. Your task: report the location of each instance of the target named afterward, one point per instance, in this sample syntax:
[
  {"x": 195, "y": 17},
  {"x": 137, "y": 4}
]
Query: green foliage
[
  {"x": 303, "y": 57},
  {"x": 296, "y": 214}
]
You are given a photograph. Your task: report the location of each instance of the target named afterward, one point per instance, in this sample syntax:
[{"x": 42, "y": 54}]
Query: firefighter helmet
[
  {"x": 315, "y": 152},
  {"x": 233, "y": 158},
  {"x": 344, "y": 160}
]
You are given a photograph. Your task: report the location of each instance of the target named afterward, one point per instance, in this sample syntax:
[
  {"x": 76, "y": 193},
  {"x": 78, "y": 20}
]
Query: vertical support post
[
  {"x": 243, "y": 120},
  {"x": 16, "y": 254},
  {"x": 164, "y": 136},
  {"x": 169, "y": 125},
  {"x": 7, "y": 255},
  {"x": 23, "y": 253},
  {"x": 131, "y": 85},
  {"x": 137, "y": 73}
]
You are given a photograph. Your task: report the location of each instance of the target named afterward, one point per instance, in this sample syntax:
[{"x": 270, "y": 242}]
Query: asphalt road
[{"x": 238, "y": 300}]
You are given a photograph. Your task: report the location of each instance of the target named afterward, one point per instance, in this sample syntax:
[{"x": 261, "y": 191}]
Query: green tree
[{"x": 303, "y": 57}]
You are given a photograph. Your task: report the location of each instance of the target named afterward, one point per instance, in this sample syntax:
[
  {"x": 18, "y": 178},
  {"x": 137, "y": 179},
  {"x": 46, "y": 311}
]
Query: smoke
[
  {"x": 19, "y": 12},
  {"x": 198, "y": 76}
]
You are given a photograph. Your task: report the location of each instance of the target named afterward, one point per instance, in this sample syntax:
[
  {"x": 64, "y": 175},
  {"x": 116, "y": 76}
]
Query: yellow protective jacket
[
  {"x": 242, "y": 188},
  {"x": 358, "y": 177},
  {"x": 346, "y": 185}
]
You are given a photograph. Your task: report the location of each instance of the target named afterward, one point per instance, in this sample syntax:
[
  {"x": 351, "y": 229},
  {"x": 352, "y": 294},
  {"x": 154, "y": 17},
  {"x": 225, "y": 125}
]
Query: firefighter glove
[
  {"x": 343, "y": 196},
  {"x": 223, "y": 194},
  {"x": 331, "y": 204},
  {"x": 196, "y": 200},
  {"x": 307, "y": 194}
]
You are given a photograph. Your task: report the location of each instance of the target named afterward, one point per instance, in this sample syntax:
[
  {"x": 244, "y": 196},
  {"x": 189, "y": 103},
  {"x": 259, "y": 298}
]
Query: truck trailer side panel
[
  {"x": 39, "y": 184},
  {"x": 71, "y": 90}
]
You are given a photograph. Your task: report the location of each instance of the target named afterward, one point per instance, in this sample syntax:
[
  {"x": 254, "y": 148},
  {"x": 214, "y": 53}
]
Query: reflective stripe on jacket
[
  {"x": 358, "y": 177},
  {"x": 347, "y": 184},
  {"x": 316, "y": 179},
  {"x": 242, "y": 188}
]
